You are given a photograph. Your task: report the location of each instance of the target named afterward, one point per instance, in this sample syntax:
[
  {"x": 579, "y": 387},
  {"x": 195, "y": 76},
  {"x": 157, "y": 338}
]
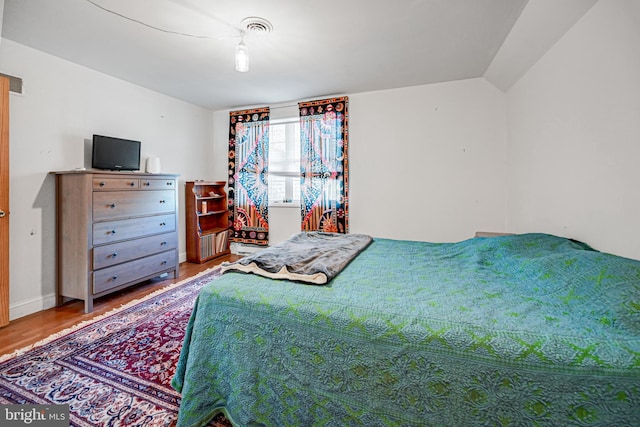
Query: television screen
[{"x": 115, "y": 153}]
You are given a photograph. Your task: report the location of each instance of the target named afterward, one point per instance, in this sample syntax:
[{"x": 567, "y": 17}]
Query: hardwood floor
[{"x": 37, "y": 326}]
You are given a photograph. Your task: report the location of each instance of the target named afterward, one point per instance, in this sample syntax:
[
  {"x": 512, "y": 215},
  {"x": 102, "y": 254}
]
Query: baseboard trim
[
  {"x": 46, "y": 302},
  {"x": 31, "y": 306}
]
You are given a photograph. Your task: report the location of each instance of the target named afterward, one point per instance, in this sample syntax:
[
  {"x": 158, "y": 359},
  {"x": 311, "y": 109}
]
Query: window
[{"x": 284, "y": 161}]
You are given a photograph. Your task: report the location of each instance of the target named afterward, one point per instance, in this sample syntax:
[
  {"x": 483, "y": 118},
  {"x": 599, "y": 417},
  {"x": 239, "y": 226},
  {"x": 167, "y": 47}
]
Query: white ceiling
[{"x": 315, "y": 49}]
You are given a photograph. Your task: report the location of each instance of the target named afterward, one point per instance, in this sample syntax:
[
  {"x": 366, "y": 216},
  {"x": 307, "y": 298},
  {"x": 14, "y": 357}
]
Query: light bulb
[{"x": 242, "y": 57}]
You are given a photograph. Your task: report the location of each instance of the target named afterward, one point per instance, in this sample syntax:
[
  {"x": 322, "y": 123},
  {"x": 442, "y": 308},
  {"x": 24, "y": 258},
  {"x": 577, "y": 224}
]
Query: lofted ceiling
[{"x": 185, "y": 48}]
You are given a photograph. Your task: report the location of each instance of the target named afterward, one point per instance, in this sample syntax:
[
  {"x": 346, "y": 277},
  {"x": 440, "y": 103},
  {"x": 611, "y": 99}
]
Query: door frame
[{"x": 4, "y": 201}]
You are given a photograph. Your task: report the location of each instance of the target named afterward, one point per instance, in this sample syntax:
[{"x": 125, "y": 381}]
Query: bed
[{"x": 528, "y": 329}]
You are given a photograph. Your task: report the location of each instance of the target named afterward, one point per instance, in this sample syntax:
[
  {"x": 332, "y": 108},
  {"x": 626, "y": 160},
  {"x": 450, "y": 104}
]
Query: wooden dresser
[{"x": 114, "y": 229}]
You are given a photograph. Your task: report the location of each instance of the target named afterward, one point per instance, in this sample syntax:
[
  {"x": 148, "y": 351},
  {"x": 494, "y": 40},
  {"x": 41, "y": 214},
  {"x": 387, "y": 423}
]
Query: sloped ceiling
[{"x": 185, "y": 48}]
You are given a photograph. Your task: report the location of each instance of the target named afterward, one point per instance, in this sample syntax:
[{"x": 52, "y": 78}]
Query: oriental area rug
[{"x": 113, "y": 370}]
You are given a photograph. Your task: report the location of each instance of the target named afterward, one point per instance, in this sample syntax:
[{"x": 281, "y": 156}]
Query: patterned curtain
[
  {"x": 248, "y": 170},
  {"x": 324, "y": 165}
]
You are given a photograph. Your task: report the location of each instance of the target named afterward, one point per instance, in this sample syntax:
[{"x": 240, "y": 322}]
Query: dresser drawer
[
  {"x": 157, "y": 184},
  {"x": 118, "y": 275},
  {"x": 122, "y": 204},
  {"x": 110, "y": 184},
  {"x": 125, "y": 229},
  {"x": 116, "y": 253}
]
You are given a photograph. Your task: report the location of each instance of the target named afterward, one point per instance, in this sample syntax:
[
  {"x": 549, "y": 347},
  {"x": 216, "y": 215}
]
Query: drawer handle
[
  {"x": 169, "y": 183},
  {"x": 163, "y": 243},
  {"x": 163, "y": 263},
  {"x": 102, "y": 184},
  {"x": 146, "y": 183},
  {"x": 115, "y": 254},
  {"x": 112, "y": 232},
  {"x": 162, "y": 201},
  {"x": 132, "y": 184},
  {"x": 114, "y": 277},
  {"x": 112, "y": 205},
  {"x": 162, "y": 224}
]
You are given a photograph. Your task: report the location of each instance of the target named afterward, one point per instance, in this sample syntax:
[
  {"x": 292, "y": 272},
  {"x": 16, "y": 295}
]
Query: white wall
[
  {"x": 426, "y": 162},
  {"x": 63, "y": 105},
  {"x": 574, "y": 134},
  {"x": 1, "y": 15}
]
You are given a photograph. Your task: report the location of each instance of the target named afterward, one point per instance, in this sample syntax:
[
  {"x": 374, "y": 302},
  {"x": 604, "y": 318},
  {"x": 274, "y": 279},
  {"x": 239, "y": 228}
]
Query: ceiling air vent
[
  {"x": 253, "y": 24},
  {"x": 15, "y": 83}
]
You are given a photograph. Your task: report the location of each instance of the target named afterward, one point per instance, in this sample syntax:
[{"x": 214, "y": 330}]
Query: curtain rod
[
  {"x": 283, "y": 106},
  {"x": 264, "y": 106}
]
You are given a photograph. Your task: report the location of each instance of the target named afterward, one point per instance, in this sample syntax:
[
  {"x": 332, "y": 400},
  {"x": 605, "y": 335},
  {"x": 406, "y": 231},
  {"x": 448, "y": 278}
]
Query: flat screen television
[{"x": 115, "y": 153}]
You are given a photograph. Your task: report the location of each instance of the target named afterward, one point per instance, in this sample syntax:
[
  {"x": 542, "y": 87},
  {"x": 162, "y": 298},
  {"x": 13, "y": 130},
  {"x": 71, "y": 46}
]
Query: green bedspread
[{"x": 515, "y": 330}]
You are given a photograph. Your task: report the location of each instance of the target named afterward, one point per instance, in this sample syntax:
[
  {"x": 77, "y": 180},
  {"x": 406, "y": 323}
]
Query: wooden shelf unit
[{"x": 207, "y": 228}]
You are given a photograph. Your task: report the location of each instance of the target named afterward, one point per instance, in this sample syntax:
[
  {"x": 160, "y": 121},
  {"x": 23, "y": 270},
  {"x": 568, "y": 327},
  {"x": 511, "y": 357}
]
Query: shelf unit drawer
[
  {"x": 121, "y": 274},
  {"x": 122, "y": 204},
  {"x": 125, "y": 229},
  {"x": 110, "y": 184},
  {"x": 116, "y": 253}
]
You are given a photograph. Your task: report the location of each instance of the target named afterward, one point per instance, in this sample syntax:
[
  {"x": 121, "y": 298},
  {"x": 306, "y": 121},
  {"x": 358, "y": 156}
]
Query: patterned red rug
[{"x": 114, "y": 370}]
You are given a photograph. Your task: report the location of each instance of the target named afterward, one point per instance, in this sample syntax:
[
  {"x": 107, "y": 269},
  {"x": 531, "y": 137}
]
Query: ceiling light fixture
[
  {"x": 252, "y": 24},
  {"x": 242, "y": 57}
]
